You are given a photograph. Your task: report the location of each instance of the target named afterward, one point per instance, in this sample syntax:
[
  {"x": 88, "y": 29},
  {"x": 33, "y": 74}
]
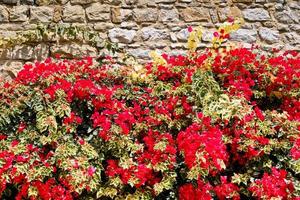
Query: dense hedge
[{"x": 220, "y": 124}]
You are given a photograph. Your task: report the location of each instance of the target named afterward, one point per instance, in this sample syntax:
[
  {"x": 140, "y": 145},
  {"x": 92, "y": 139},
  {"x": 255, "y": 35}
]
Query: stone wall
[{"x": 143, "y": 25}]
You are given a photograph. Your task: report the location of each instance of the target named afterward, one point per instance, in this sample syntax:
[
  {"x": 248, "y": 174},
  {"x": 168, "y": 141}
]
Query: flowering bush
[{"x": 218, "y": 124}]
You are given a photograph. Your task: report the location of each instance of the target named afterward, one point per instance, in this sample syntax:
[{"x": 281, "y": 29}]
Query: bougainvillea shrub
[{"x": 217, "y": 124}]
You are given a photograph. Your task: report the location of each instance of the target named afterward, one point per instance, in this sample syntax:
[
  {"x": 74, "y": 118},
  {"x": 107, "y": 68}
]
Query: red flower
[
  {"x": 295, "y": 151},
  {"x": 14, "y": 143},
  {"x": 91, "y": 170},
  {"x": 273, "y": 185},
  {"x": 21, "y": 127},
  {"x": 189, "y": 192},
  {"x": 230, "y": 19},
  {"x": 227, "y": 190},
  {"x": 259, "y": 114}
]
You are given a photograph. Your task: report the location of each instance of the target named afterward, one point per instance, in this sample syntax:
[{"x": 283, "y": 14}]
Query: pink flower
[
  {"x": 91, "y": 170},
  {"x": 216, "y": 34},
  {"x": 230, "y": 19},
  {"x": 81, "y": 141}
]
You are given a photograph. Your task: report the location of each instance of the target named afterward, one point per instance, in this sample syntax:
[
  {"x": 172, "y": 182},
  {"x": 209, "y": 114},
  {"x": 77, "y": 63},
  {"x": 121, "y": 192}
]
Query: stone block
[
  {"x": 256, "y": 14},
  {"x": 169, "y": 15},
  {"x": 73, "y": 50},
  {"x": 19, "y": 13},
  {"x": 73, "y": 13},
  {"x": 269, "y": 35},
  {"x": 41, "y": 14},
  {"x": 193, "y": 14},
  {"x": 4, "y": 14},
  {"x": 83, "y": 2},
  {"x": 98, "y": 12},
  {"x": 119, "y": 15},
  {"x": 244, "y": 35},
  {"x": 153, "y": 34},
  {"x": 145, "y": 15},
  {"x": 19, "y": 52},
  {"x": 121, "y": 35}
]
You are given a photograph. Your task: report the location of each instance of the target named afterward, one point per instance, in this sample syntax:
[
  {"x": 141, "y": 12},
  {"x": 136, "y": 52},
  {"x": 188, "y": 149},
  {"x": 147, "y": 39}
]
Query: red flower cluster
[
  {"x": 210, "y": 125},
  {"x": 273, "y": 185},
  {"x": 202, "y": 146},
  {"x": 189, "y": 192},
  {"x": 227, "y": 190},
  {"x": 295, "y": 151}
]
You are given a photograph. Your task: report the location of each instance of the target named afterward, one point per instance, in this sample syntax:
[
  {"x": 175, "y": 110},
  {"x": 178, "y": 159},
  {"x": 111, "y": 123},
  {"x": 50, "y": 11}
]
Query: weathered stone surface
[
  {"x": 28, "y": 2},
  {"x": 103, "y": 26},
  {"x": 178, "y": 52},
  {"x": 40, "y": 52},
  {"x": 73, "y": 13},
  {"x": 130, "y": 2},
  {"x": 207, "y": 35},
  {"x": 244, "y": 35},
  {"x": 213, "y": 15},
  {"x": 156, "y": 45},
  {"x": 145, "y": 15},
  {"x": 121, "y": 35},
  {"x": 243, "y": 1},
  {"x": 73, "y": 50},
  {"x": 11, "y": 27},
  {"x": 10, "y": 1},
  {"x": 296, "y": 27},
  {"x": 115, "y": 15},
  {"x": 173, "y": 37},
  {"x": 9, "y": 65},
  {"x": 98, "y": 12},
  {"x": 165, "y": 1},
  {"x": 294, "y": 4},
  {"x": 283, "y": 27},
  {"x": 62, "y": 2},
  {"x": 103, "y": 17},
  {"x": 19, "y": 13},
  {"x": 57, "y": 14},
  {"x": 7, "y": 34},
  {"x": 112, "y": 2},
  {"x": 118, "y": 15},
  {"x": 48, "y": 2},
  {"x": 42, "y": 2},
  {"x": 41, "y": 14},
  {"x": 287, "y": 17},
  {"x": 129, "y": 25},
  {"x": 83, "y": 2},
  {"x": 9, "y": 69},
  {"x": 178, "y": 46},
  {"x": 193, "y": 14},
  {"x": 269, "y": 35},
  {"x": 4, "y": 14},
  {"x": 140, "y": 53},
  {"x": 152, "y": 34},
  {"x": 169, "y": 15},
  {"x": 183, "y": 35},
  {"x": 256, "y": 14},
  {"x": 269, "y": 24},
  {"x": 20, "y": 52},
  {"x": 225, "y": 13},
  {"x": 292, "y": 38},
  {"x": 185, "y": 1}
]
